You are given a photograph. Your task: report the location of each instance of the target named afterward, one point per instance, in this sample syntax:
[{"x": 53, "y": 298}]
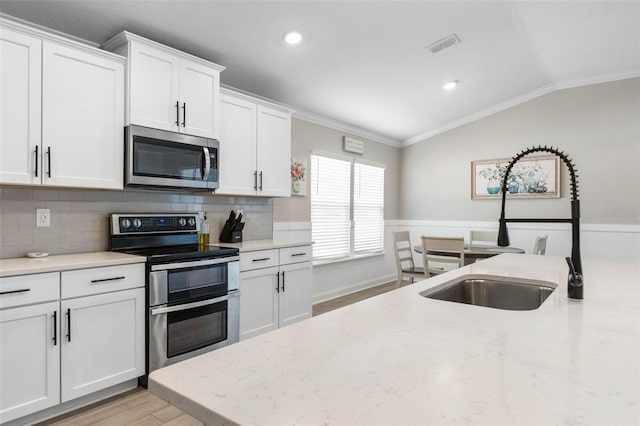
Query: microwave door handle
[{"x": 207, "y": 164}]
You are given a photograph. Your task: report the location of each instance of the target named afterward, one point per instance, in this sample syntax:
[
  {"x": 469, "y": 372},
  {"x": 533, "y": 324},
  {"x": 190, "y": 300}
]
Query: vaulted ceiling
[{"x": 364, "y": 66}]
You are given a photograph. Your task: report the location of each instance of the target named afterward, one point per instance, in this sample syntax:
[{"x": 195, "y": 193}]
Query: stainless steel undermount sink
[{"x": 492, "y": 293}]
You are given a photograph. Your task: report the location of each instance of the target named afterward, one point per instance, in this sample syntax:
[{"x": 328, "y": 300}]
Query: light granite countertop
[
  {"x": 65, "y": 262},
  {"x": 402, "y": 359},
  {"x": 256, "y": 245}
]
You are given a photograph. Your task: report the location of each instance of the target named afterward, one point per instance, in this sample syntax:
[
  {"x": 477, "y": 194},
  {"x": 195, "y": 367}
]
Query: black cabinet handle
[
  {"x": 68, "y": 325},
  {"x": 107, "y": 279},
  {"x": 262, "y": 259},
  {"x": 49, "y": 161},
  {"x": 255, "y": 180},
  {"x": 184, "y": 114},
  {"x": 55, "y": 328},
  {"x": 22, "y": 290},
  {"x": 298, "y": 254},
  {"x": 282, "y": 280},
  {"x": 260, "y": 180},
  {"x": 278, "y": 285},
  {"x": 36, "y": 174},
  {"x": 177, "y": 113}
]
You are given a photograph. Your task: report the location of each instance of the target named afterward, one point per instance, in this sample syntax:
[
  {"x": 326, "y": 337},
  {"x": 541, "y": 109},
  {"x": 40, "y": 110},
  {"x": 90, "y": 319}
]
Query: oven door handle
[
  {"x": 185, "y": 265},
  {"x": 178, "y": 308}
]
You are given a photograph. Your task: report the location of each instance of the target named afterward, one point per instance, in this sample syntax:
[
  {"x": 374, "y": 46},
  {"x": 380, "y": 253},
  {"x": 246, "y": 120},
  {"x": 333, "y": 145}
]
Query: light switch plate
[{"x": 43, "y": 217}]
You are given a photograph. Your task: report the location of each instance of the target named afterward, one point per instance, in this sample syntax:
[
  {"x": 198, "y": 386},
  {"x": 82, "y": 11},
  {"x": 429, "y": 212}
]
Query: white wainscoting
[{"x": 332, "y": 280}]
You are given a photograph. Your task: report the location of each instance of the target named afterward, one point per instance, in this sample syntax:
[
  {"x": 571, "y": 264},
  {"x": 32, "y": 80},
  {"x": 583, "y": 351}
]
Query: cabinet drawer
[
  {"x": 295, "y": 255},
  {"x": 258, "y": 259},
  {"x": 85, "y": 282},
  {"x": 28, "y": 289}
]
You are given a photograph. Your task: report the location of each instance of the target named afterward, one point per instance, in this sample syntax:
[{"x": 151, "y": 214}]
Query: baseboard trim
[{"x": 344, "y": 291}]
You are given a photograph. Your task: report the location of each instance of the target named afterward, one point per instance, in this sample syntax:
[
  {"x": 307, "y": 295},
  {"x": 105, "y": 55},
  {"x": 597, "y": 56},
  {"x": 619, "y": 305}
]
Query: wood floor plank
[
  {"x": 168, "y": 414},
  {"x": 183, "y": 420},
  {"x": 149, "y": 420},
  {"x": 124, "y": 418}
]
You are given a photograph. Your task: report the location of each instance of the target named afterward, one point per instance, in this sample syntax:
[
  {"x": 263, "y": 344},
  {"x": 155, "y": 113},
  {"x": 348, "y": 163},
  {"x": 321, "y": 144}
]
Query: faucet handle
[{"x": 575, "y": 278}]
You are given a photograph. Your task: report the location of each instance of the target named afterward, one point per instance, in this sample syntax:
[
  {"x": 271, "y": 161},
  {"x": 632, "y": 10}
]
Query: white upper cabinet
[
  {"x": 20, "y": 107},
  {"x": 62, "y": 113},
  {"x": 82, "y": 118},
  {"x": 169, "y": 89},
  {"x": 255, "y": 147}
]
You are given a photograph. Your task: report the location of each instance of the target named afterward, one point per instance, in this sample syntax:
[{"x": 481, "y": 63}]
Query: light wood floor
[{"x": 141, "y": 408}]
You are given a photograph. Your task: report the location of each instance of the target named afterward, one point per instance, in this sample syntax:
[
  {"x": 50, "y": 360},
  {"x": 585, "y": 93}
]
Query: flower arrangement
[
  {"x": 494, "y": 173},
  {"x": 297, "y": 171}
]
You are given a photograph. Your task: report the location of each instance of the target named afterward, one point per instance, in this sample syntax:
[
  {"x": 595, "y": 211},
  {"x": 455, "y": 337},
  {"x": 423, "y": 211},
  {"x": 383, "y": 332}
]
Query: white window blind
[
  {"x": 368, "y": 208},
  {"x": 330, "y": 207}
]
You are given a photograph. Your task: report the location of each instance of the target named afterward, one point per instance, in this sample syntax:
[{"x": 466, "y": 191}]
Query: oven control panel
[{"x": 143, "y": 223}]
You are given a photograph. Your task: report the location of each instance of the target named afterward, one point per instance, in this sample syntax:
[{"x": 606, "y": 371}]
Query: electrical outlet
[{"x": 43, "y": 217}]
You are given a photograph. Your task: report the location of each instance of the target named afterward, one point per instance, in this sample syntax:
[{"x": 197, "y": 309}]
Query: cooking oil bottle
[{"x": 203, "y": 237}]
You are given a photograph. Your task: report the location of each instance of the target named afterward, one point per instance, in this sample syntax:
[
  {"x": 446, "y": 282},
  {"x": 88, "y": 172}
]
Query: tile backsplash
[{"x": 79, "y": 218}]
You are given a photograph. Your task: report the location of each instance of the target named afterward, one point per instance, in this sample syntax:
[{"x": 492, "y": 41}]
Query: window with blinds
[
  {"x": 330, "y": 207},
  {"x": 340, "y": 197},
  {"x": 368, "y": 208}
]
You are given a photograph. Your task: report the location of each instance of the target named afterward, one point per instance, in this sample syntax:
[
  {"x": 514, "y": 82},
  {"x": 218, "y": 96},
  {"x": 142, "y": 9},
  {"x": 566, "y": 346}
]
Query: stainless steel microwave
[{"x": 160, "y": 159}]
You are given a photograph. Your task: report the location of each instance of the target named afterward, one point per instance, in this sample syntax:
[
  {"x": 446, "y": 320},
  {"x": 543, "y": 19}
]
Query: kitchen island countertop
[{"x": 403, "y": 359}]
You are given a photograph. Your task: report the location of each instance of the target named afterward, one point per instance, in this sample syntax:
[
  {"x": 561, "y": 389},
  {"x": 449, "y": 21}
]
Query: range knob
[
  {"x": 125, "y": 223},
  {"x": 192, "y": 221},
  {"x": 137, "y": 223},
  {"x": 182, "y": 221}
]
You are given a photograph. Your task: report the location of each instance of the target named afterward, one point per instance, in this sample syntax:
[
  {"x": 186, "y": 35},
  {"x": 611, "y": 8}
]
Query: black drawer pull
[
  {"x": 282, "y": 280},
  {"x": 107, "y": 279},
  {"x": 298, "y": 254},
  {"x": 22, "y": 290},
  {"x": 278, "y": 284},
  {"x": 49, "y": 162},
  {"x": 68, "y": 325},
  {"x": 262, "y": 259},
  {"x": 36, "y": 174},
  {"x": 55, "y": 328}
]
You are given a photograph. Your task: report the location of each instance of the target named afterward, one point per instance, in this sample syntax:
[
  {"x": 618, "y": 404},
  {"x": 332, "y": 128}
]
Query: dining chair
[
  {"x": 441, "y": 250},
  {"x": 403, "y": 252},
  {"x": 483, "y": 237},
  {"x": 540, "y": 246}
]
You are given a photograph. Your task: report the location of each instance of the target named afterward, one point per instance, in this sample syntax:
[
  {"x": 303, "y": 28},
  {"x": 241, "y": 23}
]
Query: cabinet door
[
  {"x": 82, "y": 118},
  {"x": 237, "y": 146},
  {"x": 295, "y": 293},
  {"x": 153, "y": 88},
  {"x": 274, "y": 152},
  {"x": 258, "y": 302},
  {"x": 102, "y": 341},
  {"x": 199, "y": 99},
  {"x": 29, "y": 360},
  {"x": 20, "y": 85}
]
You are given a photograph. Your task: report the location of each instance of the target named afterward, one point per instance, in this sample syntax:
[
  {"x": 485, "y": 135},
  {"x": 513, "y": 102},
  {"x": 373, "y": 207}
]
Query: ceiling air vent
[{"x": 444, "y": 43}]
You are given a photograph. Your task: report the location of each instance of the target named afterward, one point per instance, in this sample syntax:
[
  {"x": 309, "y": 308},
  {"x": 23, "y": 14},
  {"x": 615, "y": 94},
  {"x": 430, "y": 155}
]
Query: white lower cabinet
[
  {"x": 53, "y": 351},
  {"x": 103, "y": 341},
  {"x": 274, "y": 296},
  {"x": 29, "y": 359}
]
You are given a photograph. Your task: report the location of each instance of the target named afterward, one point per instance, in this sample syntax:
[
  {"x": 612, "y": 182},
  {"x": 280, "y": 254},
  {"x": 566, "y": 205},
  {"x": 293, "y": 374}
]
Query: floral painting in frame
[
  {"x": 298, "y": 177},
  {"x": 531, "y": 177}
]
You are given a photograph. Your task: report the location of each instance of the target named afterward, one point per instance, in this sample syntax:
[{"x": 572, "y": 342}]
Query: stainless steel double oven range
[{"x": 192, "y": 290}]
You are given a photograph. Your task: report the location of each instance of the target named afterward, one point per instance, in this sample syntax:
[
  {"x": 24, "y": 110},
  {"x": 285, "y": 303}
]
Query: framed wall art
[{"x": 531, "y": 177}]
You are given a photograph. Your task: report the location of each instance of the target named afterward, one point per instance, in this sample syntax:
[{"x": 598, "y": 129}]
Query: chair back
[
  {"x": 441, "y": 250},
  {"x": 483, "y": 237},
  {"x": 540, "y": 246},
  {"x": 403, "y": 251}
]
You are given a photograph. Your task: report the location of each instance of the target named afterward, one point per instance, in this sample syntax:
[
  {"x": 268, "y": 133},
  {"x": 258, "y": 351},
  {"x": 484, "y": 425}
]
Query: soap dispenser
[{"x": 203, "y": 237}]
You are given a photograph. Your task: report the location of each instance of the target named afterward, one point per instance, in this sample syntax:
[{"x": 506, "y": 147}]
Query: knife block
[{"x": 228, "y": 235}]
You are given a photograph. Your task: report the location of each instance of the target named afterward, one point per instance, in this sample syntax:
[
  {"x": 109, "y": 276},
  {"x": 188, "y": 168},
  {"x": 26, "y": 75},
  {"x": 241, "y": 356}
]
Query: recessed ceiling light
[
  {"x": 450, "y": 85},
  {"x": 292, "y": 37}
]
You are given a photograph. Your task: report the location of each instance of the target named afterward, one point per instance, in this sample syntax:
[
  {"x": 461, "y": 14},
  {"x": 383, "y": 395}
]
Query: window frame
[{"x": 353, "y": 161}]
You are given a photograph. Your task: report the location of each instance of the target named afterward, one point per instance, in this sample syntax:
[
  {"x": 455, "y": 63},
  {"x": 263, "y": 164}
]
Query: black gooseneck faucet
[{"x": 575, "y": 280}]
